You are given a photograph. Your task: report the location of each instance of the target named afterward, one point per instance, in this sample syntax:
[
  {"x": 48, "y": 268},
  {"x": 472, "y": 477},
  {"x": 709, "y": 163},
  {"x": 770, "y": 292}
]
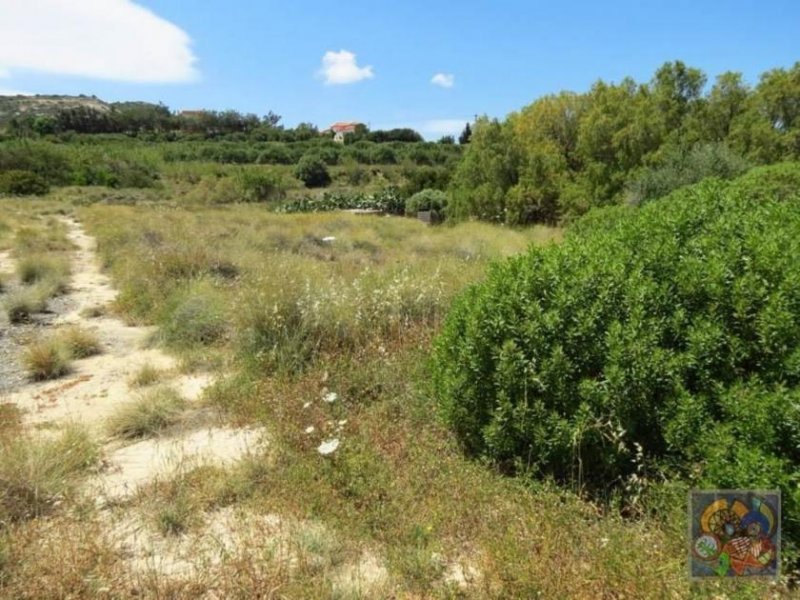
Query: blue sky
[{"x": 256, "y": 56}]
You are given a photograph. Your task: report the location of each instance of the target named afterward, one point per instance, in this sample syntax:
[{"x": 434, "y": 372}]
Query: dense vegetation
[
  {"x": 661, "y": 341},
  {"x": 550, "y": 162},
  {"x": 566, "y": 153}
]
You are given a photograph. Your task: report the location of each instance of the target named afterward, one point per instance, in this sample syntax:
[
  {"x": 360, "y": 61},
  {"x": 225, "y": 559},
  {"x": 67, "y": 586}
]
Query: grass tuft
[
  {"x": 94, "y": 312},
  {"x": 49, "y": 273},
  {"x": 147, "y": 415},
  {"x": 147, "y": 375},
  {"x": 175, "y": 516},
  {"x": 78, "y": 342},
  {"x": 21, "y": 304},
  {"x": 36, "y": 473},
  {"x": 46, "y": 359}
]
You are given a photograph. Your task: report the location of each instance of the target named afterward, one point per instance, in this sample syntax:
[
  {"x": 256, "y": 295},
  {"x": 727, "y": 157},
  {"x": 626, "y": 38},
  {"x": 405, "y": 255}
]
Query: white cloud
[
  {"x": 116, "y": 40},
  {"x": 341, "y": 67},
  {"x": 445, "y": 80}
]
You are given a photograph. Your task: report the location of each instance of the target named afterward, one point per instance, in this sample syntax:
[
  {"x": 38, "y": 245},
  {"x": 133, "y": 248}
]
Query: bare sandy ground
[
  {"x": 99, "y": 385},
  {"x": 144, "y": 461},
  {"x": 6, "y": 262}
]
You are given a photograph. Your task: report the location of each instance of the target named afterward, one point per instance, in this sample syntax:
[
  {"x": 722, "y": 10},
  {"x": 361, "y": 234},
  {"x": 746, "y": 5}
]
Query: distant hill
[{"x": 22, "y": 106}]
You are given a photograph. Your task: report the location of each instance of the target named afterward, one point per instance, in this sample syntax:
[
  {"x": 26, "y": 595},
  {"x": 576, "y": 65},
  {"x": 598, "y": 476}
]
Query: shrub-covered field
[
  {"x": 290, "y": 309},
  {"x": 661, "y": 342},
  {"x": 473, "y": 410}
]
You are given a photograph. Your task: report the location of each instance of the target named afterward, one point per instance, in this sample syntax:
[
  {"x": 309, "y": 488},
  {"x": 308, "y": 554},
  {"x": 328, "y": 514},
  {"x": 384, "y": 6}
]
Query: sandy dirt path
[{"x": 99, "y": 385}]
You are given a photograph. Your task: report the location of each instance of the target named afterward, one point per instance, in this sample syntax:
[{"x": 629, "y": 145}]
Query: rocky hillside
[{"x": 40, "y": 105}]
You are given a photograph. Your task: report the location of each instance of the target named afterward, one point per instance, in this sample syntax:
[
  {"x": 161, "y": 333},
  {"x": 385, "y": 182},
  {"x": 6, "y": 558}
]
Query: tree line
[
  {"x": 566, "y": 153},
  {"x": 158, "y": 122}
]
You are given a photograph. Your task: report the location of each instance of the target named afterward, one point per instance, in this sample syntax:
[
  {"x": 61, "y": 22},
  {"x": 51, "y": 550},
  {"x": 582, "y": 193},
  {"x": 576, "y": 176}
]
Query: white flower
[
  {"x": 328, "y": 447},
  {"x": 342, "y": 423},
  {"x": 307, "y": 404},
  {"x": 330, "y": 397},
  {"x": 310, "y": 429}
]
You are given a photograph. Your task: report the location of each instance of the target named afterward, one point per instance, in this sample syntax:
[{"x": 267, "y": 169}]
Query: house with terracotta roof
[{"x": 341, "y": 128}]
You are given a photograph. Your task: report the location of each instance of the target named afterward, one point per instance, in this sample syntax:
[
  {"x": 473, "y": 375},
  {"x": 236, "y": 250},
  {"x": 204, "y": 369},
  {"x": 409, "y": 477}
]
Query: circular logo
[{"x": 706, "y": 547}]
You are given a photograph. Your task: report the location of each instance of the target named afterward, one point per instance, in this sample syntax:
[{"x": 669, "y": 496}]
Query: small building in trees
[{"x": 341, "y": 128}]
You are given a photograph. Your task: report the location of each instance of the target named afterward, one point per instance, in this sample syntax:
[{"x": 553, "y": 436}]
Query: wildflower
[
  {"x": 330, "y": 397},
  {"x": 328, "y": 447}
]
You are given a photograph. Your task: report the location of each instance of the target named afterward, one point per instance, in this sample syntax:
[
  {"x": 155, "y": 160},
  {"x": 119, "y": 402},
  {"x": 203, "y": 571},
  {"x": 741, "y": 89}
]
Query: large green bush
[
  {"x": 22, "y": 183},
  {"x": 46, "y": 160},
  {"x": 683, "y": 167},
  {"x": 665, "y": 338},
  {"x": 261, "y": 185},
  {"x": 775, "y": 182},
  {"x": 311, "y": 170},
  {"x": 432, "y": 200}
]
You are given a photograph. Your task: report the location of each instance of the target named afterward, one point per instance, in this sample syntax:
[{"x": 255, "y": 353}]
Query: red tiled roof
[{"x": 344, "y": 126}]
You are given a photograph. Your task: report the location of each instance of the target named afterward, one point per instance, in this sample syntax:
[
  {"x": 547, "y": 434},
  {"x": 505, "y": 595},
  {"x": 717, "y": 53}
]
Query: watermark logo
[{"x": 734, "y": 533}]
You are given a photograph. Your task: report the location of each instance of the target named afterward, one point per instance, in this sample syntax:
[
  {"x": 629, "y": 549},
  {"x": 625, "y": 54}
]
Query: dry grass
[
  {"x": 42, "y": 251},
  {"x": 37, "y": 268},
  {"x": 10, "y": 417},
  {"x": 147, "y": 415},
  {"x": 20, "y": 305},
  {"x": 50, "y": 357},
  {"x": 94, "y": 312},
  {"x": 78, "y": 342},
  {"x": 46, "y": 359},
  {"x": 147, "y": 375},
  {"x": 36, "y": 474}
]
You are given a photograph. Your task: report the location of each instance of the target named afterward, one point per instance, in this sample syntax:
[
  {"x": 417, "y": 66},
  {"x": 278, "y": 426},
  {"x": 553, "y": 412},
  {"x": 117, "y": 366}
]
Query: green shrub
[
  {"x": 774, "y": 182},
  {"x": 682, "y": 167},
  {"x": 261, "y": 185},
  {"x": 117, "y": 172},
  {"x": 42, "y": 158},
  {"x": 432, "y": 200},
  {"x": 275, "y": 154},
  {"x": 387, "y": 200},
  {"x": 667, "y": 337},
  {"x": 195, "y": 316},
  {"x": 23, "y": 183},
  {"x": 420, "y": 178},
  {"x": 383, "y": 155},
  {"x": 311, "y": 170}
]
